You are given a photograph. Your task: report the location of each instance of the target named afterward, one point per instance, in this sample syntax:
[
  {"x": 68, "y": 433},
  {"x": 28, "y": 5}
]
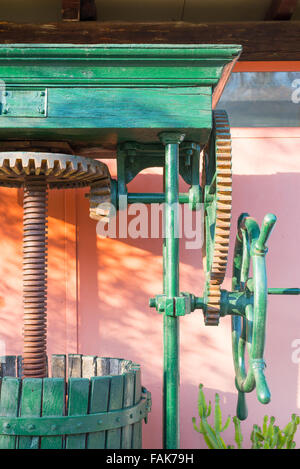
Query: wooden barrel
[{"x": 87, "y": 402}]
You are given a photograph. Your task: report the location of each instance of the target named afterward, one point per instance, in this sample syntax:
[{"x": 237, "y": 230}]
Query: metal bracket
[
  {"x": 134, "y": 157},
  {"x": 72, "y": 425},
  {"x": 175, "y": 306}
]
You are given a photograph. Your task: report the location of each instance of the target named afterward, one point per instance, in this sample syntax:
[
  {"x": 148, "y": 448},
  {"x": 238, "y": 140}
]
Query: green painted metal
[
  {"x": 171, "y": 288},
  {"x": 251, "y": 244},
  {"x": 154, "y": 198},
  {"x": 283, "y": 291}
]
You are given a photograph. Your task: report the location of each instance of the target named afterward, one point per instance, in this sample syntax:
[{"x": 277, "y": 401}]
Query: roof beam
[
  {"x": 78, "y": 10},
  {"x": 281, "y": 10},
  {"x": 264, "y": 40}
]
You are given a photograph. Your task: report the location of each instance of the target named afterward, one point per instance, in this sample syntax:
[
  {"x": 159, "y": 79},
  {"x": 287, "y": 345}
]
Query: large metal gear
[
  {"x": 35, "y": 172},
  {"x": 217, "y": 182},
  {"x": 60, "y": 170}
]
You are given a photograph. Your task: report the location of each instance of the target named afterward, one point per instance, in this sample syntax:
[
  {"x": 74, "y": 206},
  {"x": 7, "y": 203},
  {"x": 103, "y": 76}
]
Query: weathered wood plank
[
  {"x": 137, "y": 427},
  {"x": 262, "y": 40},
  {"x": 88, "y": 366},
  {"x": 8, "y": 365},
  {"x": 53, "y": 405},
  {"x": 114, "y": 366},
  {"x": 30, "y": 406},
  {"x": 19, "y": 366},
  {"x": 113, "y": 437},
  {"x": 181, "y": 105},
  {"x": 74, "y": 365},
  {"x": 125, "y": 366},
  {"x": 78, "y": 399},
  {"x": 58, "y": 366},
  {"x": 281, "y": 10},
  {"x": 99, "y": 400},
  {"x": 102, "y": 366},
  {"x": 9, "y": 407},
  {"x": 128, "y": 400}
]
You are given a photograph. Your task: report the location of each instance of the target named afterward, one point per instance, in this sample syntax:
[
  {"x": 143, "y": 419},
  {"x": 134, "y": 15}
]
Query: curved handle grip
[
  {"x": 262, "y": 388},
  {"x": 265, "y": 231},
  {"x": 241, "y": 408}
]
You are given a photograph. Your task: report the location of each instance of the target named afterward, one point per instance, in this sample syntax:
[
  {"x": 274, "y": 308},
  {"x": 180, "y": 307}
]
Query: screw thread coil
[{"x": 35, "y": 277}]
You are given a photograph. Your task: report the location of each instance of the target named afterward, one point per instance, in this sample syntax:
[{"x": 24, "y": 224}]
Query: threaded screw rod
[{"x": 35, "y": 277}]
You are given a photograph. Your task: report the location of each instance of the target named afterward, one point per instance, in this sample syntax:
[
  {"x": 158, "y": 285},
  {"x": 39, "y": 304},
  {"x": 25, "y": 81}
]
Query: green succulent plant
[{"x": 269, "y": 436}]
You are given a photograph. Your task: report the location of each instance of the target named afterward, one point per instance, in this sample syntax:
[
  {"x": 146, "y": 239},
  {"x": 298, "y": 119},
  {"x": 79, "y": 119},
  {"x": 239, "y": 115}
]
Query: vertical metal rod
[
  {"x": 171, "y": 435},
  {"x": 165, "y": 328}
]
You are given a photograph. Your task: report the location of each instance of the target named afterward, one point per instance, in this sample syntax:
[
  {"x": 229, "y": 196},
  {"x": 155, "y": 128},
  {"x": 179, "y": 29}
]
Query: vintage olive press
[{"x": 156, "y": 105}]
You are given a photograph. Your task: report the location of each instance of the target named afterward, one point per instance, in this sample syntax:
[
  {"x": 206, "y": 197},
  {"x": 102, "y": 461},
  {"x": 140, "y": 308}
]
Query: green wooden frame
[{"x": 104, "y": 94}]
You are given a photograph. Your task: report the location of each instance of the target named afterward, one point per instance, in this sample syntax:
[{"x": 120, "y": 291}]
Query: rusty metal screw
[
  {"x": 35, "y": 277},
  {"x": 33, "y": 170}
]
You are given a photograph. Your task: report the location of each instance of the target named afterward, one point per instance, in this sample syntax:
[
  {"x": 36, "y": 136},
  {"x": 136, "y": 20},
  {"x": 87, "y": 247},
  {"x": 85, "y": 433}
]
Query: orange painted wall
[{"x": 99, "y": 288}]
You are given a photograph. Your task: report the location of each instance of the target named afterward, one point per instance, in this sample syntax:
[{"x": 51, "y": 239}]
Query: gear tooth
[
  {"x": 61, "y": 170},
  {"x": 223, "y": 195}
]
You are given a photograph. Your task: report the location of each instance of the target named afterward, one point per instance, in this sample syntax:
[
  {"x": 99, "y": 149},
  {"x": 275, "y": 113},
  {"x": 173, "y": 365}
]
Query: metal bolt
[
  {"x": 31, "y": 427},
  {"x": 53, "y": 427},
  {"x": 42, "y": 93},
  {"x": 99, "y": 422},
  {"x": 7, "y": 425}
]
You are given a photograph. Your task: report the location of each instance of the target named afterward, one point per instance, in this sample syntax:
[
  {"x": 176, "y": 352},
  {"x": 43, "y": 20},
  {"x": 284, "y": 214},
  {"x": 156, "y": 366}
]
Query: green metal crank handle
[{"x": 265, "y": 231}]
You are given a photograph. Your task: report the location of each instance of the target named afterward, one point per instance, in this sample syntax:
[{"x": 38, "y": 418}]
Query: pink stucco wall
[{"x": 99, "y": 288}]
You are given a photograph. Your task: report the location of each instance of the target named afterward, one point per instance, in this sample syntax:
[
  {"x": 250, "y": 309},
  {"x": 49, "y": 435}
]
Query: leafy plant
[{"x": 269, "y": 436}]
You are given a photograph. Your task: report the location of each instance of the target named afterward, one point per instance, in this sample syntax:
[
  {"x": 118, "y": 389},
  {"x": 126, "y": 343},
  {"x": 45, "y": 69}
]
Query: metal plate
[{"x": 22, "y": 102}]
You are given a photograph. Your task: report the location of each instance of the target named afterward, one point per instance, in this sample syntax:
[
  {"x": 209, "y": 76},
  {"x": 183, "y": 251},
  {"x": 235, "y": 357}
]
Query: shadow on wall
[
  {"x": 115, "y": 286},
  {"x": 116, "y": 279},
  {"x": 11, "y": 236}
]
